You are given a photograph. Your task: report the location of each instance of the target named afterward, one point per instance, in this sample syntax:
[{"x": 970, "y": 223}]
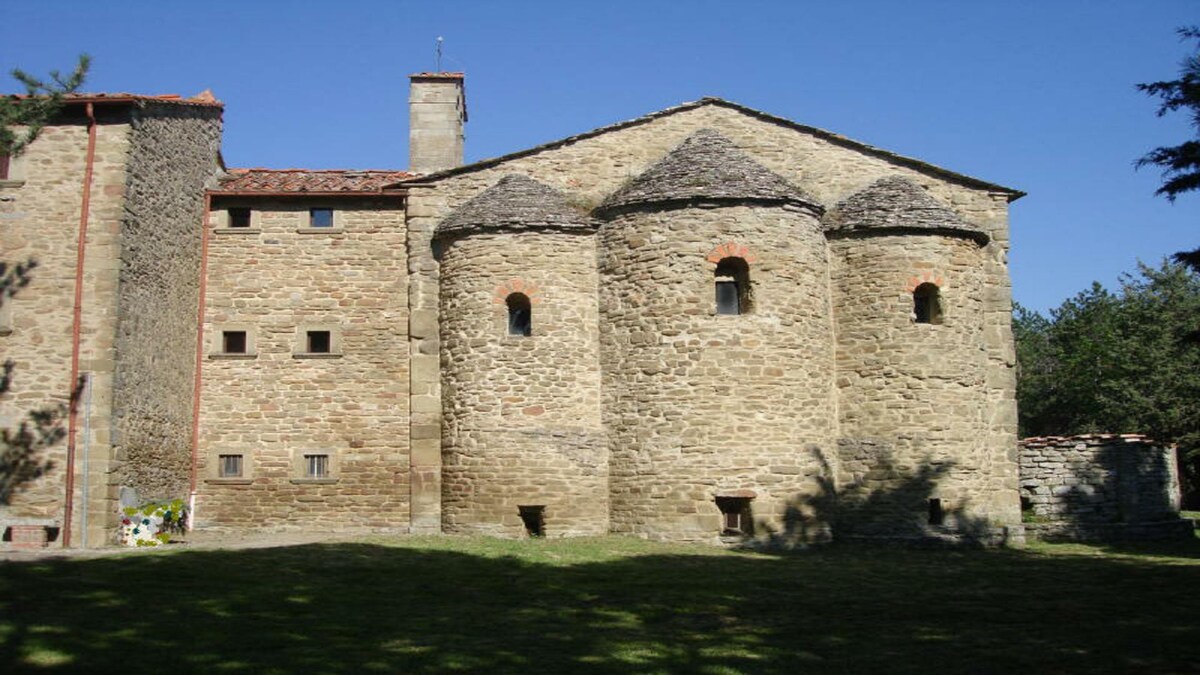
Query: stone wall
[
  {"x": 40, "y": 215},
  {"x": 1100, "y": 486},
  {"x": 276, "y": 280},
  {"x": 913, "y": 401},
  {"x": 172, "y": 155},
  {"x": 522, "y": 413},
  {"x": 700, "y": 405},
  {"x": 591, "y": 167}
]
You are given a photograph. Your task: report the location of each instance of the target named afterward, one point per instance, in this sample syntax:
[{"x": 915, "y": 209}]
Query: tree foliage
[
  {"x": 1180, "y": 163},
  {"x": 22, "y": 118},
  {"x": 1116, "y": 362}
]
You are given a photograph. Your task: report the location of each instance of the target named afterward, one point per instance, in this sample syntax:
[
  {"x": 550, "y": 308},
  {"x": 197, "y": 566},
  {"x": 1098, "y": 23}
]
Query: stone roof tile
[
  {"x": 707, "y": 166},
  {"x": 895, "y": 202},
  {"x": 515, "y": 202}
]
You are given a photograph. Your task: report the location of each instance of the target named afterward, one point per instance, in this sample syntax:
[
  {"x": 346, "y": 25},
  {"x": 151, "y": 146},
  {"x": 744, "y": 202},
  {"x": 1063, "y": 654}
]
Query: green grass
[{"x": 609, "y": 605}]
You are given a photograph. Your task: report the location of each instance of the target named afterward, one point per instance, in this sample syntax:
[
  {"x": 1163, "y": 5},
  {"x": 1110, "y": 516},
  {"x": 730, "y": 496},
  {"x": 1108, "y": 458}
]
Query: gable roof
[
  {"x": 515, "y": 202},
  {"x": 897, "y": 203},
  {"x": 308, "y": 181},
  {"x": 828, "y": 136},
  {"x": 707, "y": 166}
]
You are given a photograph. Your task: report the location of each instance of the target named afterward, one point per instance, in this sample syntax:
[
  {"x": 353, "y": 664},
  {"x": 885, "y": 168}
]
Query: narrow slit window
[
  {"x": 229, "y": 466},
  {"x": 927, "y": 304},
  {"x": 233, "y": 342},
  {"x": 316, "y": 466},
  {"x": 320, "y": 217},
  {"x": 732, "y": 279},
  {"x": 319, "y": 342},
  {"x": 534, "y": 518},
  {"x": 4, "y": 164},
  {"x": 936, "y": 515},
  {"x": 239, "y": 217},
  {"x": 520, "y": 315},
  {"x": 736, "y": 518}
]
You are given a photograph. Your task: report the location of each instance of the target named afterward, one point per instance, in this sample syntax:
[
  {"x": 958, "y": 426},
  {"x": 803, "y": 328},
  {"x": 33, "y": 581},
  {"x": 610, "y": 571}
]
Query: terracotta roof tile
[
  {"x": 204, "y": 98},
  {"x": 307, "y": 181}
]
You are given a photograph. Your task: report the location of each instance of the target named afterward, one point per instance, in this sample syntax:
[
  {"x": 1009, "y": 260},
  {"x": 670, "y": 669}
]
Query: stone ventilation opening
[
  {"x": 534, "y": 518},
  {"x": 520, "y": 314},
  {"x": 927, "y": 304},
  {"x": 733, "y": 286},
  {"x": 936, "y": 515},
  {"x": 736, "y": 518}
]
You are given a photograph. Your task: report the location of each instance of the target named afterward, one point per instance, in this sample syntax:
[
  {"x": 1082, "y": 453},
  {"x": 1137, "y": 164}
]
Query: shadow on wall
[
  {"x": 885, "y": 503},
  {"x": 22, "y": 447}
]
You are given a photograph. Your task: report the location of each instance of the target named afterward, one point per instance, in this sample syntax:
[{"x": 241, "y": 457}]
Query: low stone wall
[{"x": 1100, "y": 487}]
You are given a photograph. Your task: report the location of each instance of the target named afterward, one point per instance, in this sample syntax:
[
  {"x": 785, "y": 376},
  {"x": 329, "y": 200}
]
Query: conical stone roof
[
  {"x": 896, "y": 203},
  {"x": 707, "y": 167},
  {"x": 516, "y": 202}
]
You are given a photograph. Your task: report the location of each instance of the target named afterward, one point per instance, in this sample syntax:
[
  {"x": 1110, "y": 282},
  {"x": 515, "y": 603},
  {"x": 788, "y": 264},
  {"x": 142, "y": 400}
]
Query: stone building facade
[{"x": 704, "y": 324}]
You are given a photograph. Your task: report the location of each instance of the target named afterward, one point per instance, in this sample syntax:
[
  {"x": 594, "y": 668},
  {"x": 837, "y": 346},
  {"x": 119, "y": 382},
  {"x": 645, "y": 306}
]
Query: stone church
[{"x": 705, "y": 324}]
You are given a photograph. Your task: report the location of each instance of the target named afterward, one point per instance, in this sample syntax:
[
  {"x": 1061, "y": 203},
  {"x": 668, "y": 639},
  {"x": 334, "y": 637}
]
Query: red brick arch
[
  {"x": 516, "y": 285},
  {"x": 731, "y": 249},
  {"x": 926, "y": 277}
]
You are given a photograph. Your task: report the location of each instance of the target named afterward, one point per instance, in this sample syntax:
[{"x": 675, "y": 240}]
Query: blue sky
[{"x": 1033, "y": 94}]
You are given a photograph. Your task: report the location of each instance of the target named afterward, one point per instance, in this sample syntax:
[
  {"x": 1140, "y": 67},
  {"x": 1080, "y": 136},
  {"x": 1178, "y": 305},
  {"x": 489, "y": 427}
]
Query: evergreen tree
[
  {"x": 23, "y": 117},
  {"x": 1180, "y": 163},
  {"x": 1106, "y": 362}
]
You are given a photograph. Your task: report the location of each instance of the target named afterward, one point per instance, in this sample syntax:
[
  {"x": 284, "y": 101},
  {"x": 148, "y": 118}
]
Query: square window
[
  {"x": 229, "y": 466},
  {"x": 233, "y": 342},
  {"x": 320, "y": 217},
  {"x": 239, "y": 217},
  {"x": 316, "y": 466},
  {"x": 319, "y": 342}
]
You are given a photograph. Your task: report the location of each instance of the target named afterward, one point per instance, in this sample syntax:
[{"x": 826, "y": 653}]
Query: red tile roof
[
  {"x": 306, "y": 181},
  {"x": 204, "y": 98}
]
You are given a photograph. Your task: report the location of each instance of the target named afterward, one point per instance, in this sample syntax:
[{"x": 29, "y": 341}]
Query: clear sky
[{"x": 1033, "y": 94}]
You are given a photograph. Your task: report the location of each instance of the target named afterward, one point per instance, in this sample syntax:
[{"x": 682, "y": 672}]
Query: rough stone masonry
[{"x": 705, "y": 324}]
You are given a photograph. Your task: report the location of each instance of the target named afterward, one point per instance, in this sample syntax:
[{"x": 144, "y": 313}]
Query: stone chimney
[{"x": 437, "y": 111}]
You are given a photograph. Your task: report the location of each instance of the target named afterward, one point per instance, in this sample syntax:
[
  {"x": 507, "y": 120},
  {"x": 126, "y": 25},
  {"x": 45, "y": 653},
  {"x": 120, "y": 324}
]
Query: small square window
[
  {"x": 239, "y": 217},
  {"x": 319, "y": 342},
  {"x": 316, "y": 466},
  {"x": 320, "y": 217},
  {"x": 229, "y": 466},
  {"x": 233, "y": 342}
]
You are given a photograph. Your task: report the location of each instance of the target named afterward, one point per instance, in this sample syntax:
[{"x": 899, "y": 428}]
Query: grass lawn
[{"x": 608, "y": 605}]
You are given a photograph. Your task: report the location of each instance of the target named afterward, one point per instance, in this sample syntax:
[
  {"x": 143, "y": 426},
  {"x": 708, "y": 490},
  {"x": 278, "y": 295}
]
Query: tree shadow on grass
[{"x": 360, "y": 607}]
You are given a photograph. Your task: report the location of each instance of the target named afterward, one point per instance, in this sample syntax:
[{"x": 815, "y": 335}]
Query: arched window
[
  {"x": 927, "y": 304},
  {"x": 732, "y": 280},
  {"x": 520, "y": 314}
]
